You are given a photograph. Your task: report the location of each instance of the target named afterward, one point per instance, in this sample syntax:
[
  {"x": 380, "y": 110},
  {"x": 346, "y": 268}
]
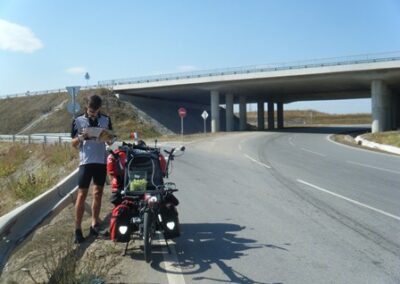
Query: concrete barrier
[
  {"x": 391, "y": 149},
  {"x": 16, "y": 225}
]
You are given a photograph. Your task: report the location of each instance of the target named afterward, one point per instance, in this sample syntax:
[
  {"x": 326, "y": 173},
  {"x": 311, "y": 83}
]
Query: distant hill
[
  {"x": 309, "y": 117},
  {"x": 17, "y": 113}
]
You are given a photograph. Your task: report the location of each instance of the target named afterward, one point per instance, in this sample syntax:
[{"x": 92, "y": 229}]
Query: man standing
[{"x": 92, "y": 163}]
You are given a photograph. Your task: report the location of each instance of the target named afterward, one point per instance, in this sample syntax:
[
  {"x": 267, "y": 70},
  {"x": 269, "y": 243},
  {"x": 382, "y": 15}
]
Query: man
[{"x": 92, "y": 163}]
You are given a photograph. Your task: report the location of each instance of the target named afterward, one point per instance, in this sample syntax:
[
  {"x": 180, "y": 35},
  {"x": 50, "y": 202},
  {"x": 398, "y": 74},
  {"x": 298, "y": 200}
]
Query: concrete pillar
[
  {"x": 395, "y": 111},
  {"x": 381, "y": 110},
  {"x": 214, "y": 111},
  {"x": 229, "y": 112},
  {"x": 398, "y": 112},
  {"x": 271, "y": 121},
  {"x": 280, "y": 115},
  {"x": 260, "y": 115},
  {"x": 242, "y": 113}
]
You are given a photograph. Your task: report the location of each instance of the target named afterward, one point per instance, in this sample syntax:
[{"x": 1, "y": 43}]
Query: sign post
[
  {"x": 182, "y": 114},
  {"x": 73, "y": 92},
  {"x": 204, "y": 115}
]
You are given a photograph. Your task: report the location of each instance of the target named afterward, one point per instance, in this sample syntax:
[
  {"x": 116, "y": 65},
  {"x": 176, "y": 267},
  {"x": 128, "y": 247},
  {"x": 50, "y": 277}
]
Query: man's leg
[
  {"x": 80, "y": 207},
  {"x": 96, "y": 204},
  {"x": 83, "y": 187}
]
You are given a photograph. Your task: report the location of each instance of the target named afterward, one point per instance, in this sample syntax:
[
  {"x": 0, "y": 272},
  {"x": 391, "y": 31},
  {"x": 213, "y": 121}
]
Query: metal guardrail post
[
  {"x": 44, "y": 139},
  {"x": 13, "y": 138},
  {"x": 29, "y": 139},
  {"x": 59, "y": 140}
]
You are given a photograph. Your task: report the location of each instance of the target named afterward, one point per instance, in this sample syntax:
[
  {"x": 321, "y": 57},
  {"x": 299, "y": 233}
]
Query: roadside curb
[{"x": 387, "y": 148}]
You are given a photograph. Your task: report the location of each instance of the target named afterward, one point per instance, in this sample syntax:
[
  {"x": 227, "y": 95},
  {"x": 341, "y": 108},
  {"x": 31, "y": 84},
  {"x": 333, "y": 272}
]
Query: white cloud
[
  {"x": 187, "y": 68},
  {"x": 18, "y": 38},
  {"x": 76, "y": 70}
]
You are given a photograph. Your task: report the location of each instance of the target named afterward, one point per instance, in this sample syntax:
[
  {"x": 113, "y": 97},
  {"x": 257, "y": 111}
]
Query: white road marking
[
  {"x": 171, "y": 263},
  {"x": 240, "y": 147},
  {"x": 350, "y": 200},
  {"x": 316, "y": 153},
  {"x": 257, "y": 162},
  {"x": 373, "y": 167},
  {"x": 291, "y": 141}
]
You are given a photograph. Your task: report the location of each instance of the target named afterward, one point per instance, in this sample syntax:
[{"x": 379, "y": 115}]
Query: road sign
[
  {"x": 73, "y": 91},
  {"x": 70, "y": 107},
  {"x": 204, "y": 115},
  {"x": 182, "y": 112}
]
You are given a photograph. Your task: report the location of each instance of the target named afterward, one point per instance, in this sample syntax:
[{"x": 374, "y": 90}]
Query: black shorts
[{"x": 89, "y": 171}]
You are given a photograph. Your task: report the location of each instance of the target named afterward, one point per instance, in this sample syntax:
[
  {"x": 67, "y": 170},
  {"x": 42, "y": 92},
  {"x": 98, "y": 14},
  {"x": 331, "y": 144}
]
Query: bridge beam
[
  {"x": 260, "y": 114},
  {"x": 280, "y": 115},
  {"x": 381, "y": 110},
  {"x": 214, "y": 111},
  {"x": 242, "y": 113},
  {"x": 271, "y": 122},
  {"x": 229, "y": 112}
]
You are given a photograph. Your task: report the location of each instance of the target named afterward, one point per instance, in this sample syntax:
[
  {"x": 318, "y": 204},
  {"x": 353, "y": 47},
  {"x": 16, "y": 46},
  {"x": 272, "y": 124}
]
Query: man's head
[{"x": 93, "y": 105}]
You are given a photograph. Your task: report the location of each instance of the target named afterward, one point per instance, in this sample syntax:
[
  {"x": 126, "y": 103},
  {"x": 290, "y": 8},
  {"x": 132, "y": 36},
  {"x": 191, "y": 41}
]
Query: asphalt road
[{"x": 286, "y": 207}]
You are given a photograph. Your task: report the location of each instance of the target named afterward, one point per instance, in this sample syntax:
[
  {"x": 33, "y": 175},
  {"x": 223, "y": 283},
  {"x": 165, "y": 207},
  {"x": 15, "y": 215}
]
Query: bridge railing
[
  {"x": 335, "y": 61},
  {"x": 45, "y": 92}
]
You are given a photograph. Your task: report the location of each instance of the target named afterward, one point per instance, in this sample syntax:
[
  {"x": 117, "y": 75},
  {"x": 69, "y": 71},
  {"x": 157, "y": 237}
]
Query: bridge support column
[
  {"x": 242, "y": 113},
  {"x": 381, "y": 110},
  {"x": 214, "y": 111},
  {"x": 398, "y": 112},
  {"x": 229, "y": 112},
  {"x": 271, "y": 122},
  {"x": 260, "y": 115},
  {"x": 395, "y": 111},
  {"x": 280, "y": 115}
]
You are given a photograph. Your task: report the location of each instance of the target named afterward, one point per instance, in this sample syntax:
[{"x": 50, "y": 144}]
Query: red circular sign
[{"x": 182, "y": 112}]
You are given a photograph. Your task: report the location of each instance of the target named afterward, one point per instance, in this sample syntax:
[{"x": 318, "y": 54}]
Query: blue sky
[{"x": 50, "y": 44}]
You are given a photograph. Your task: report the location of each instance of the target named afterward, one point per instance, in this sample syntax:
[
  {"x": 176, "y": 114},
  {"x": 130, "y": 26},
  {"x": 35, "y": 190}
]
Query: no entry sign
[{"x": 182, "y": 112}]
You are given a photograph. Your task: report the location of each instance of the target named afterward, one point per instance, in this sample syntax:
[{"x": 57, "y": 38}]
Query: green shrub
[{"x": 31, "y": 185}]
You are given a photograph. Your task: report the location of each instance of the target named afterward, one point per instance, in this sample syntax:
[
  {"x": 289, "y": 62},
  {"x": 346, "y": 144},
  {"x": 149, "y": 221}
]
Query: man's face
[{"x": 92, "y": 113}]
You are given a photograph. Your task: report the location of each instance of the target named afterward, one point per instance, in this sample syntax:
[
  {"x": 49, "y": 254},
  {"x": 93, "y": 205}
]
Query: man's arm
[{"x": 76, "y": 138}]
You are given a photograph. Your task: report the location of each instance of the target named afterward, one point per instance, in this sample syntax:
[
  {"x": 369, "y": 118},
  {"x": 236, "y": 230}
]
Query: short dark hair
[{"x": 94, "y": 102}]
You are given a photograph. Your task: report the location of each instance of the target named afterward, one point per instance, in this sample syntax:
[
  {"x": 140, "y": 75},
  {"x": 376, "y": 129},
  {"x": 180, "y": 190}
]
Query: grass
[
  {"x": 389, "y": 138},
  {"x": 123, "y": 116},
  {"x": 16, "y": 113},
  {"x": 310, "y": 117},
  {"x": 27, "y": 170}
]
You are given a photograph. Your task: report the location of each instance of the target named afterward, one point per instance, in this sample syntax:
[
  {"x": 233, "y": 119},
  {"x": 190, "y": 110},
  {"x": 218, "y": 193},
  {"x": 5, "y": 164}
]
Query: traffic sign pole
[
  {"x": 182, "y": 114},
  {"x": 182, "y": 127}
]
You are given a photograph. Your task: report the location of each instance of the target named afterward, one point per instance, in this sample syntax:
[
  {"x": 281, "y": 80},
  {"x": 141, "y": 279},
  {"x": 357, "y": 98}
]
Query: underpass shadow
[
  {"x": 325, "y": 129},
  {"x": 206, "y": 244}
]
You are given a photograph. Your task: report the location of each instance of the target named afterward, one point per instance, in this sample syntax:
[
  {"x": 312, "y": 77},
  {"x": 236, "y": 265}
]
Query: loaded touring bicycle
[{"x": 148, "y": 204}]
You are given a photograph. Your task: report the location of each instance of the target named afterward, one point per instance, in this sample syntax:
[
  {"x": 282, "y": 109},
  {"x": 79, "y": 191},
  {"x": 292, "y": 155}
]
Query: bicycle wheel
[{"x": 147, "y": 235}]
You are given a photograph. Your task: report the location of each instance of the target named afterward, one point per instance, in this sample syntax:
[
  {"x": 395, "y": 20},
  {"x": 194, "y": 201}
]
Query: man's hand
[{"x": 79, "y": 139}]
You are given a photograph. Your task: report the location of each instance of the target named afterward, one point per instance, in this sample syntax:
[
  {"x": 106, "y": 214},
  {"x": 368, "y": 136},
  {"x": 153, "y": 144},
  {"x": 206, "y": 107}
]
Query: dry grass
[
  {"x": 16, "y": 113},
  {"x": 123, "y": 116},
  {"x": 309, "y": 117},
  {"x": 27, "y": 170},
  {"x": 389, "y": 138}
]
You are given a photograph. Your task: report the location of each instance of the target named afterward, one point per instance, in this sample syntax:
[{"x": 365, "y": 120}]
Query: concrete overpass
[{"x": 377, "y": 78}]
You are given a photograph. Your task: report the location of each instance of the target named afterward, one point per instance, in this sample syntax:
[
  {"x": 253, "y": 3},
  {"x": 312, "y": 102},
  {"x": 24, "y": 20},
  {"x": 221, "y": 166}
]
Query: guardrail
[
  {"x": 336, "y": 61},
  {"x": 16, "y": 225},
  {"x": 45, "y": 92},
  {"x": 35, "y": 138}
]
